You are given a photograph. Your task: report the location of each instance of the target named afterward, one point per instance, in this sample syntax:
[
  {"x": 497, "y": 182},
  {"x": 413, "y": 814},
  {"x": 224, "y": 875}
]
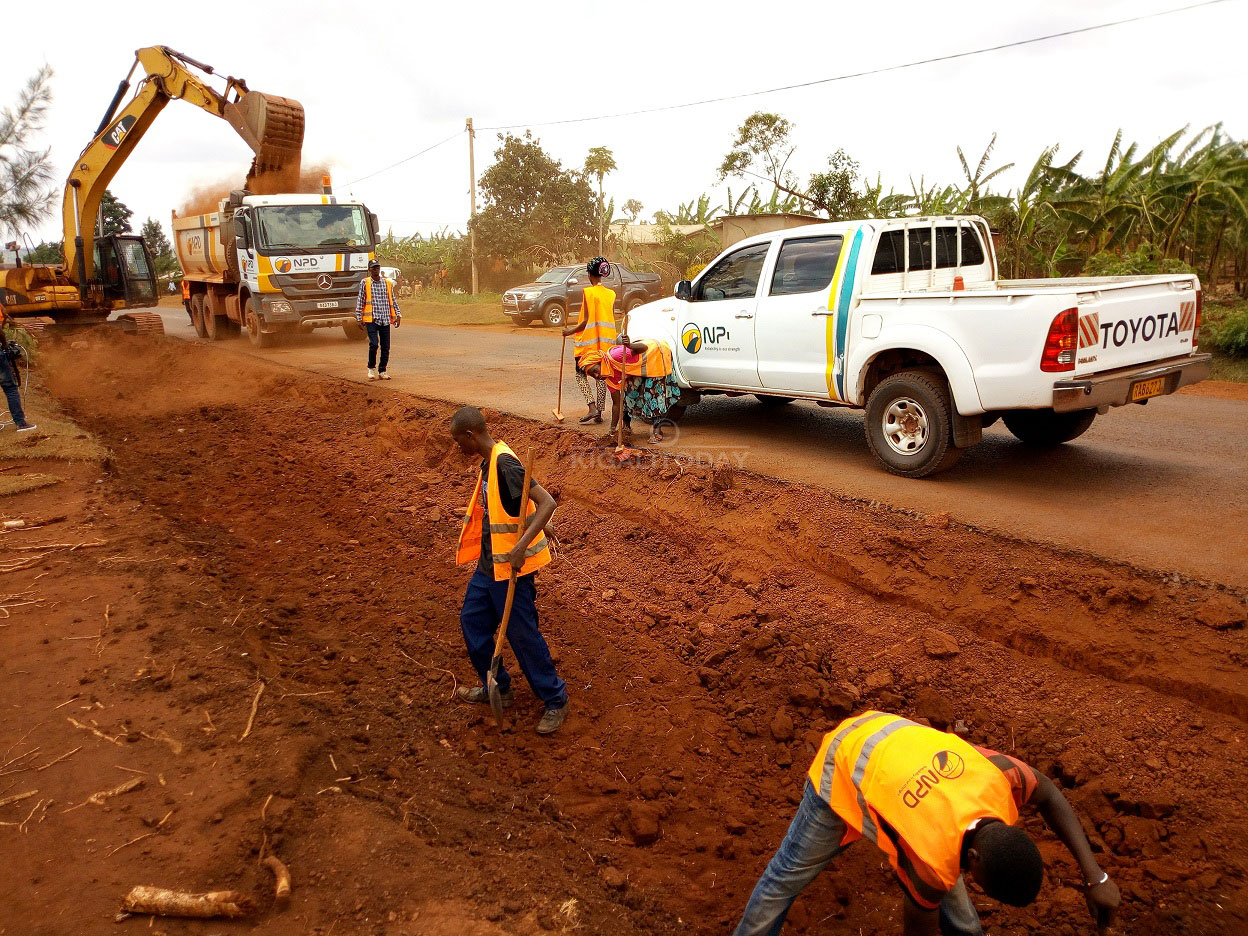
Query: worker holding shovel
[
  {"x": 507, "y": 552},
  {"x": 941, "y": 810}
]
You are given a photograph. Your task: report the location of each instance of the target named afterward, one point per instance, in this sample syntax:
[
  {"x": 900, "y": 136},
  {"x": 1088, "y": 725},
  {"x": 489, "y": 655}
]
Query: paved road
[{"x": 1163, "y": 486}]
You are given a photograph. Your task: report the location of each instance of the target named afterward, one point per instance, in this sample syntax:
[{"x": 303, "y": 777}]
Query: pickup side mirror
[
  {"x": 573, "y": 282},
  {"x": 684, "y": 290}
]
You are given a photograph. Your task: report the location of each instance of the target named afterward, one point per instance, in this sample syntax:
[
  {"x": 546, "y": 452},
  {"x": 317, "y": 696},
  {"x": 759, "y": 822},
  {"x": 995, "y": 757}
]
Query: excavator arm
[{"x": 272, "y": 126}]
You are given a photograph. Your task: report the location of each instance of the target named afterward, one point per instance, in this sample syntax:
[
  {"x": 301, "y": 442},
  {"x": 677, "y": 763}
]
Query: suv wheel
[
  {"x": 910, "y": 424},
  {"x": 553, "y": 315},
  {"x": 1046, "y": 429}
]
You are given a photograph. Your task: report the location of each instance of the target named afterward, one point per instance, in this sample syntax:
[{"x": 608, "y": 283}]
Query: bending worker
[
  {"x": 493, "y": 540},
  {"x": 595, "y": 335},
  {"x": 939, "y": 808}
]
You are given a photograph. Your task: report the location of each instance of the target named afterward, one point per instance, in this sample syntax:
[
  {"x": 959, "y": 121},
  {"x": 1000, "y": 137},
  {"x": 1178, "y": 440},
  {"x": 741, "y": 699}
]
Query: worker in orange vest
[
  {"x": 186, "y": 300},
  {"x": 939, "y": 808},
  {"x": 593, "y": 336}
]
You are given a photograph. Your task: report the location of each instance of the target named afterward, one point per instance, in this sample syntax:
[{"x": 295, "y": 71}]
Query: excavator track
[{"x": 143, "y": 323}]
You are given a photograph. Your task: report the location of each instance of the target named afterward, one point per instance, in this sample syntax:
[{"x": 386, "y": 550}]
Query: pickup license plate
[
  {"x": 328, "y": 304},
  {"x": 1148, "y": 388}
]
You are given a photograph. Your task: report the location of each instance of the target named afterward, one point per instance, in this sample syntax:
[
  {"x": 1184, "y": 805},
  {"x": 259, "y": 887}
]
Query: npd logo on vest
[{"x": 691, "y": 338}]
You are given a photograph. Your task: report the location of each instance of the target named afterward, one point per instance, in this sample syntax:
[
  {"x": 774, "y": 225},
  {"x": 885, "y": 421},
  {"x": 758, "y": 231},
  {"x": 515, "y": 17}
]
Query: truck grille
[{"x": 304, "y": 286}]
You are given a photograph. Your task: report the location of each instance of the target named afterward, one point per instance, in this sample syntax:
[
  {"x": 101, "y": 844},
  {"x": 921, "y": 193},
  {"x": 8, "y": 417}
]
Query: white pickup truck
[{"x": 907, "y": 319}]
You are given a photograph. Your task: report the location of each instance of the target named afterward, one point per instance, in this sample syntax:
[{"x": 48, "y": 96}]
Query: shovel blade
[
  {"x": 495, "y": 693},
  {"x": 558, "y": 415}
]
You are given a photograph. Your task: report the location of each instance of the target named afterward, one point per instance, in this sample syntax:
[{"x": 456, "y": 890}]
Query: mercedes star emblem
[{"x": 324, "y": 281}]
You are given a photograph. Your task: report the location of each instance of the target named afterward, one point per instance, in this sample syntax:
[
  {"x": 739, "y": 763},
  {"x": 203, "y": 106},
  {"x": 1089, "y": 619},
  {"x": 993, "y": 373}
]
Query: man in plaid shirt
[{"x": 375, "y": 309}]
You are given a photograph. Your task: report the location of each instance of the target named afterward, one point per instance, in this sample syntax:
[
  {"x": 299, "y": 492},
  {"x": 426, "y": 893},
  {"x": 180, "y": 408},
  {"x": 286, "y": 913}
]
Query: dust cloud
[{"x": 207, "y": 197}]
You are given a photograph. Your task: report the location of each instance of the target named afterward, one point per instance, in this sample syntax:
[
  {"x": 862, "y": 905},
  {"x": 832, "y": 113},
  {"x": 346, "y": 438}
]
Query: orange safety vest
[
  {"x": 911, "y": 790},
  {"x": 656, "y": 362},
  {"x": 367, "y": 314},
  {"x": 504, "y": 528},
  {"x": 598, "y": 335},
  {"x": 186, "y": 290}
]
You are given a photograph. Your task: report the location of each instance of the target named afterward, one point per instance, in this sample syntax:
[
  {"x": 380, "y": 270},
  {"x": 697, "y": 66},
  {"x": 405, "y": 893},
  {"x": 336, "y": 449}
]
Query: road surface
[{"x": 1163, "y": 486}]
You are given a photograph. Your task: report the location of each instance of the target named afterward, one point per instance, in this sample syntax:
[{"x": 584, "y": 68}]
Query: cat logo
[{"x": 117, "y": 133}]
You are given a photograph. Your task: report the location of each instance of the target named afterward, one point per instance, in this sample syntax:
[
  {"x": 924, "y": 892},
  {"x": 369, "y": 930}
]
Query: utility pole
[{"x": 472, "y": 183}]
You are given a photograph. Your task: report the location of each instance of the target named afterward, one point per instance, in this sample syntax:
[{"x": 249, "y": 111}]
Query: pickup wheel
[
  {"x": 258, "y": 338},
  {"x": 197, "y": 314},
  {"x": 553, "y": 315},
  {"x": 635, "y": 304},
  {"x": 773, "y": 402},
  {"x": 910, "y": 424},
  {"x": 1047, "y": 429}
]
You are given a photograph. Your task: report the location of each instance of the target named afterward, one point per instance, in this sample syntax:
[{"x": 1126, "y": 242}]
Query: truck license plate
[
  {"x": 1148, "y": 388},
  {"x": 330, "y": 304}
]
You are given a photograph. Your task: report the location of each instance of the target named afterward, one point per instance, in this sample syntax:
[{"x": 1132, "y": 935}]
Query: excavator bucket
[{"x": 273, "y": 128}]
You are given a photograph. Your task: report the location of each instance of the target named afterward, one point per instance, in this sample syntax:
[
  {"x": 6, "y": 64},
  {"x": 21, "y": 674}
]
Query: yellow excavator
[{"x": 103, "y": 274}]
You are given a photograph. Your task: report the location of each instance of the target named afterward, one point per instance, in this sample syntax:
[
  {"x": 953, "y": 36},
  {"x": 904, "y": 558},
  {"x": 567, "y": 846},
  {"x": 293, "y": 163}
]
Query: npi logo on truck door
[{"x": 693, "y": 337}]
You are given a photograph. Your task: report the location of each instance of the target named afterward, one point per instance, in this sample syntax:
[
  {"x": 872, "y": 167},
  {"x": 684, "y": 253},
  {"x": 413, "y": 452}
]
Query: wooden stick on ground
[
  {"x": 17, "y": 798},
  {"x": 281, "y": 889},
  {"x": 98, "y": 799},
  {"x": 255, "y": 704},
  {"x": 161, "y": 902}
]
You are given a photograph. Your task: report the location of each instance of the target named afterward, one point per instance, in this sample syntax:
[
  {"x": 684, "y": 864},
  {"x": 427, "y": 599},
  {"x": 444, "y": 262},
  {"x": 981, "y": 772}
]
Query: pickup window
[
  {"x": 734, "y": 277},
  {"x": 889, "y": 256},
  {"x": 805, "y": 265}
]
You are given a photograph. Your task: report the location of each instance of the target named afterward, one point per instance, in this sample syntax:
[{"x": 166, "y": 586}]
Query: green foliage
[
  {"x": 693, "y": 270},
  {"x": 1145, "y": 259},
  {"x": 26, "y": 194},
  {"x": 536, "y": 212},
  {"x": 1226, "y": 329},
  {"x": 46, "y": 252},
  {"x": 158, "y": 246},
  {"x": 116, "y": 214}
]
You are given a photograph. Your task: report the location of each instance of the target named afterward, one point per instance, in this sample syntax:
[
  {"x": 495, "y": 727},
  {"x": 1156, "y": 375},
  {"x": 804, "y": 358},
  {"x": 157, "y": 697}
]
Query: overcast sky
[{"x": 381, "y": 81}]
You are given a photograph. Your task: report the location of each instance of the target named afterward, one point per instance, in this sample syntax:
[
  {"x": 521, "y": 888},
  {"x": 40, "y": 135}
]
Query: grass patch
[
  {"x": 56, "y": 437},
  {"x": 20, "y": 484},
  {"x": 1226, "y": 367},
  {"x": 451, "y": 313},
  {"x": 445, "y": 296}
]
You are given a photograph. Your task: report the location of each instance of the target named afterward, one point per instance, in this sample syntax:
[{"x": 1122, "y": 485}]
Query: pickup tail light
[
  {"x": 1062, "y": 343},
  {"x": 1200, "y": 305}
]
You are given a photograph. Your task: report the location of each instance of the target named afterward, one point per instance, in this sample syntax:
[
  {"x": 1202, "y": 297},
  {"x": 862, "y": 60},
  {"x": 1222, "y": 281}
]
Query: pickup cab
[
  {"x": 908, "y": 320},
  {"x": 558, "y": 292}
]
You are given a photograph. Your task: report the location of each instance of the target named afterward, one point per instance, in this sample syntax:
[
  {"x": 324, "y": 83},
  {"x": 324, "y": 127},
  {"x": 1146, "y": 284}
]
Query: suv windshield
[
  {"x": 557, "y": 275},
  {"x": 283, "y": 227}
]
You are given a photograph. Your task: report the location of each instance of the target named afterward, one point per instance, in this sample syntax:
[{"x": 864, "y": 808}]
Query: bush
[
  {"x": 1226, "y": 329},
  {"x": 1144, "y": 260}
]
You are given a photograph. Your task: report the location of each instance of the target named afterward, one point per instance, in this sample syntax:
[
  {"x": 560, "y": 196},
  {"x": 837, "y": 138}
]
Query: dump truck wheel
[
  {"x": 197, "y": 315},
  {"x": 212, "y": 324},
  {"x": 1047, "y": 429},
  {"x": 258, "y": 338}
]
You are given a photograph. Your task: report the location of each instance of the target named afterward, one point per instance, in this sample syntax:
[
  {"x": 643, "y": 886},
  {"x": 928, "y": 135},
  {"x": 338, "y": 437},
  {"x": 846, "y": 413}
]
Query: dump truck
[
  {"x": 103, "y": 274},
  {"x": 274, "y": 264}
]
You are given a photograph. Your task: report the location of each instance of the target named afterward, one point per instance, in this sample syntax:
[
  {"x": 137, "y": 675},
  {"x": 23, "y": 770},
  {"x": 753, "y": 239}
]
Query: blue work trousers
[
  {"x": 481, "y": 615},
  {"x": 8, "y": 381},
  {"x": 814, "y": 839},
  {"x": 378, "y": 335}
]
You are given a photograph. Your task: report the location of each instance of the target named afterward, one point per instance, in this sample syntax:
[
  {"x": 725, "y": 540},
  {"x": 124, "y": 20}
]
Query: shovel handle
[{"x": 511, "y": 583}]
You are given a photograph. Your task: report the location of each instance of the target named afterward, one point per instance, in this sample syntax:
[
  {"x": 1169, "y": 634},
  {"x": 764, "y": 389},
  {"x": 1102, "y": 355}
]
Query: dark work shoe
[
  {"x": 479, "y": 695},
  {"x": 552, "y": 719},
  {"x": 29, "y": 427}
]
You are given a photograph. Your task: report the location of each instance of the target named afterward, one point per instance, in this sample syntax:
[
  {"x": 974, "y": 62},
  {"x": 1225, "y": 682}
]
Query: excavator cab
[{"x": 124, "y": 272}]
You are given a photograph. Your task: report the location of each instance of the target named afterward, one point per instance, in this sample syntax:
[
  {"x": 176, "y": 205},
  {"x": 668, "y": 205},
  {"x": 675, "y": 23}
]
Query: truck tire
[
  {"x": 258, "y": 338},
  {"x": 1046, "y": 429},
  {"x": 554, "y": 315},
  {"x": 909, "y": 424},
  {"x": 231, "y": 328},
  {"x": 773, "y": 402},
  {"x": 354, "y": 332},
  {"x": 197, "y": 314},
  {"x": 635, "y": 303},
  {"x": 214, "y": 329}
]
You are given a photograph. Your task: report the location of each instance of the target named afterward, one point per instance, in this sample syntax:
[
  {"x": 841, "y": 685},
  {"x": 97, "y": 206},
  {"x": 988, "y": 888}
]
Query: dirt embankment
[{"x": 710, "y": 626}]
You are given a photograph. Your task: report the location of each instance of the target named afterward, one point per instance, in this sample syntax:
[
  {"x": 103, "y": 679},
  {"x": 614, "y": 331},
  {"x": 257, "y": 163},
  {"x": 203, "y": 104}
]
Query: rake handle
[{"x": 511, "y": 583}]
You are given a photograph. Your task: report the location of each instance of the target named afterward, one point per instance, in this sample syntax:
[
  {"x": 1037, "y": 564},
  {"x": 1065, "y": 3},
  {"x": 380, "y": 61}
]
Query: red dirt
[{"x": 263, "y": 523}]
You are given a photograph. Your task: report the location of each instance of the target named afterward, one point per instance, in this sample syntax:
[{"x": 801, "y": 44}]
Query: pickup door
[
  {"x": 796, "y": 316},
  {"x": 717, "y": 342}
]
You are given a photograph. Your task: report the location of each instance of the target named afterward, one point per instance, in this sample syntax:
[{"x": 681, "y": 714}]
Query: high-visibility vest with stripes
[
  {"x": 504, "y": 528},
  {"x": 367, "y": 284},
  {"x": 596, "y": 312},
  {"x": 186, "y": 290},
  {"x": 913, "y": 791}
]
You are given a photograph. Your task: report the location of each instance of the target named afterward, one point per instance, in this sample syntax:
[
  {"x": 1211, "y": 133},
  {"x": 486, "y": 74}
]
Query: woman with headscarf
[
  {"x": 644, "y": 371},
  {"x": 594, "y": 334}
]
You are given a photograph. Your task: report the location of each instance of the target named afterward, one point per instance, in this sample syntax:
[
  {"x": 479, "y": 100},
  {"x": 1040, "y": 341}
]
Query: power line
[
  {"x": 863, "y": 74},
  {"x": 427, "y": 149}
]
